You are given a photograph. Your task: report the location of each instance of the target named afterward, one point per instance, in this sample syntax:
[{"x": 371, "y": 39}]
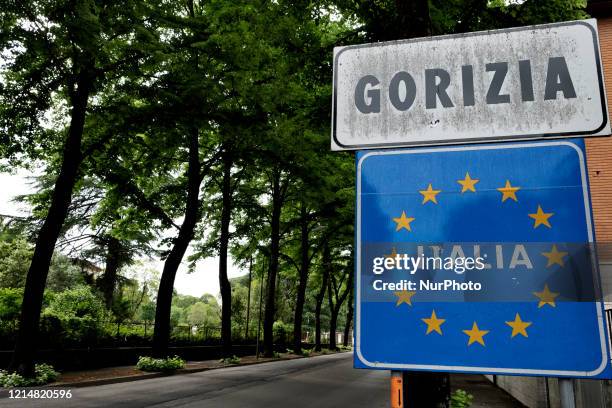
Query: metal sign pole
[
  {"x": 566, "y": 393},
  {"x": 397, "y": 389}
]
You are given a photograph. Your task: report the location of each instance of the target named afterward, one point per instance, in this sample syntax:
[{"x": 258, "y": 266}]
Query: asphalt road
[{"x": 325, "y": 381}]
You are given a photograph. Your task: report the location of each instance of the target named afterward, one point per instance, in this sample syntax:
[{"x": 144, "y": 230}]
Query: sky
[{"x": 203, "y": 280}]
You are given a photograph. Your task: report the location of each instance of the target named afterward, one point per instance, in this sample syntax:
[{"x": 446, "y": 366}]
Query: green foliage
[
  {"x": 461, "y": 399},
  {"x": 281, "y": 330},
  {"x": 63, "y": 274},
  {"x": 147, "y": 312},
  {"x": 230, "y": 360},
  {"x": 10, "y": 303},
  {"x": 177, "y": 315},
  {"x": 203, "y": 314},
  {"x": 253, "y": 81},
  {"x": 385, "y": 20},
  {"x": 14, "y": 262},
  {"x": 190, "y": 310},
  {"x": 44, "y": 374},
  {"x": 74, "y": 315},
  {"x": 80, "y": 302},
  {"x": 168, "y": 364},
  {"x": 15, "y": 255}
]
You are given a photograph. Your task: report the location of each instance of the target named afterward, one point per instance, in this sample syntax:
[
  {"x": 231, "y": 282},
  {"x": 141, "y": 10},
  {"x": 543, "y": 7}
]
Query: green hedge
[{"x": 146, "y": 363}]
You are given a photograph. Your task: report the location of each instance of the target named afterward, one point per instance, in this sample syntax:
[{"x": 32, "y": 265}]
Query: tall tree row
[
  {"x": 200, "y": 128},
  {"x": 60, "y": 54}
]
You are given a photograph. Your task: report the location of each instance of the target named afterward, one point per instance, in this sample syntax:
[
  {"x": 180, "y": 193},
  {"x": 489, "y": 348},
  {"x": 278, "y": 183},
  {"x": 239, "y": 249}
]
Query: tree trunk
[
  {"x": 248, "y": 312},
  {"x": 349, "y": 319},
  {"x": 333, "y": 320},
  {"x": 273, "y": 266},
  {"x": 335, "y": 308},
  {"x": 301, "y": 290},
  {"x": 224, "y": 283},
  {"x": 161, "y": 334},
  {"x": 321, "y": 295},
  {"x": 25, "y": 347},
  {"x": 108, "y": 281}
]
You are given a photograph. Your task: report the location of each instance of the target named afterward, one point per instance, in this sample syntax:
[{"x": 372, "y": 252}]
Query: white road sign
[{"x": 521, "y": 83}]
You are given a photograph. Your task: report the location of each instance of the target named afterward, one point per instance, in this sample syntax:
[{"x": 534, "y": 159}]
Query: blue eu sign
[{"x": 478, "y": 259}]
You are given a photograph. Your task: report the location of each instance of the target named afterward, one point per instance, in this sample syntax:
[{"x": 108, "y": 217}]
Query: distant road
[{"x": 325, "y": 381}]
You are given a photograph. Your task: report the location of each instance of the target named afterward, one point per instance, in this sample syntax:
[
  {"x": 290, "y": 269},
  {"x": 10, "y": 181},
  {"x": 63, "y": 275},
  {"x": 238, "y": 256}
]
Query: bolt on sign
[{"x": 532, "y": 82}]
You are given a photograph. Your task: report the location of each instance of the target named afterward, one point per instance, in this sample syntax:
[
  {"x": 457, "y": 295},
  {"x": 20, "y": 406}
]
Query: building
[{"x": 540, "y": 392}]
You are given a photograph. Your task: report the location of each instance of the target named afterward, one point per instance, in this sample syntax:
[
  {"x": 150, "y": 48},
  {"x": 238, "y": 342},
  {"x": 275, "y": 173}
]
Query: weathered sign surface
[{"x": 521, "y": 83}]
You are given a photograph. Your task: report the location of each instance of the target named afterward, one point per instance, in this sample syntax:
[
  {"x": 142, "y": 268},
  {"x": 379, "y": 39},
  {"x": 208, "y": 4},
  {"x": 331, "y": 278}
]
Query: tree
[
  {"x": 68, "y": 50},
  {"x": 203, "y": 314},
  {"x": 349, "y": 319},
  {"x": 326, "y": 271},
  {"x": 14, "y": 257},
  {"x": 96, "y": 228},
  {"x": 338, "y": 288},
  {"x": 161, "y": 334},
  {"x": 15, "y": 254},
  {"x": 306, "y": 256}
]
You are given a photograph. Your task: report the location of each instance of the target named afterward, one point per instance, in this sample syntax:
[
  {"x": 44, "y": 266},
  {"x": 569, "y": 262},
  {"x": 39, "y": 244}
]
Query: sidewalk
[
  {"x": 120, "y": 374},
  {"x": 486, "y": 394}
]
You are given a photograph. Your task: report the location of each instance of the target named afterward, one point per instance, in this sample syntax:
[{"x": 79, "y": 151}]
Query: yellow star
[
  {"x": 476, "y": 335},
  {"x": 546, "y": 297},
  {"x": 433, "y": 323},
  {"x": 554, "y": 256},
  {"x": 403, "y": 222},
  {"x": 508, "y": 191},
  {"x": 404, "y": 296},
  {"x": 430, "y": 194},
  {"x": 519, "y": 326},
  {"x": 468, "y": 183},
  {"x": 541, "y": 217}
]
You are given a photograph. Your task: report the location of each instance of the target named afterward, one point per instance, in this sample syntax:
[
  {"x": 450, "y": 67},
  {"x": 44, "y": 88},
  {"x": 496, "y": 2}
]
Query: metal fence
[
  {"x": 145, "y": 329},
  {"x": 130, "y": 332},
  {"x": 127, "y": 329}
]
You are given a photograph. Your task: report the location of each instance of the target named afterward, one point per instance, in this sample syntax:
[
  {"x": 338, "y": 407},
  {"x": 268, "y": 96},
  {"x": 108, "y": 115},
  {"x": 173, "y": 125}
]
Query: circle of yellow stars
[
  {"x": 546, "y": 297},
  {"x": 468, "y": 184}
]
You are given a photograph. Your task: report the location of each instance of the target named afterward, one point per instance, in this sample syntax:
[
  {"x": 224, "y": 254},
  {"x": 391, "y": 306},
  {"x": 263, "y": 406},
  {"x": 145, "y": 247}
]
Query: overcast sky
[{"x": 203, "y": 280}]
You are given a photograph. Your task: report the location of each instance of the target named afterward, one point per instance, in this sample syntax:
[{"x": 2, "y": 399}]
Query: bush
[
  {"x": 461, "y": 399},
  {"x": 79, "y": 302},
  {"x": 230, "y": 360},
  {"x": 44, "y": 375},
  {"x": 304, "y": 353},
  {"x": 10, "y": 303},
  {"x": 160, "y": 364},
  {"x": 74, "y": 315},
  {"x": 280, "y": 332}
]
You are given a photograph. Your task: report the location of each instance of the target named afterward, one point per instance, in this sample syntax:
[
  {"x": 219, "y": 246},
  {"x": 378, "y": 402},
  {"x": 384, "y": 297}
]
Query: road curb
[{"x": 117, "y": 380}]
